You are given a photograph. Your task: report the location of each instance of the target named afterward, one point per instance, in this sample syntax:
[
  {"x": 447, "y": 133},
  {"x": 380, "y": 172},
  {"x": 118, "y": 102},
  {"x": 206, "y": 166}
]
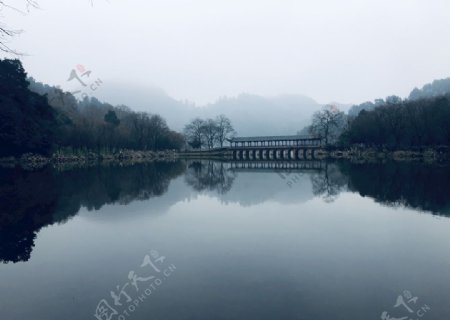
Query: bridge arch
[{"x": 296, "y": 147}]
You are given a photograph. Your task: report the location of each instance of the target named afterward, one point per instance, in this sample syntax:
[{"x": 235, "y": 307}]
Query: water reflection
[
  {"x": 32, "y": 200},
  {"x": 414, "y": 185},
  {"x": 210, "y": 175},
  {"x": 329, "y": 182}
]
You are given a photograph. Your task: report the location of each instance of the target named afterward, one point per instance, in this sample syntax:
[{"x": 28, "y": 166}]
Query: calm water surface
[{"x": 211, "y": 240}]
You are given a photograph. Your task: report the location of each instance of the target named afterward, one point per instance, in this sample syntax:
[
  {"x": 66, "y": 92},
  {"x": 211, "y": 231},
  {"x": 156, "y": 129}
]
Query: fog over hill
[
  {"x": 250, "y": 114},
  {"x": 436, "y": 88}
]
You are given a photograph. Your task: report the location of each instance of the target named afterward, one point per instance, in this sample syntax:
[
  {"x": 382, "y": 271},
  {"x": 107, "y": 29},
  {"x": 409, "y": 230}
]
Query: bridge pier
[
  {"x": 292, "y": 154},
  {"x": 275, "y": 154},
  {"x": 264, "y": 154},
  {"x": 279, "y": 154}
]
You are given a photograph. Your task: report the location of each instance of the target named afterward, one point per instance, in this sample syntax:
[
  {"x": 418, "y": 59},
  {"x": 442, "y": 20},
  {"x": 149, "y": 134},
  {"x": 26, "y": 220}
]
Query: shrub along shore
[
  {"x": 30, "y": 160},
  {"x": 427, "y": 154},
  {"x": 129, "y": 157}
]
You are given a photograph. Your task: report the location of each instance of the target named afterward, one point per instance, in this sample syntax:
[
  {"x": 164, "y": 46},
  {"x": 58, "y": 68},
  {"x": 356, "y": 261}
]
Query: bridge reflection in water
[
  {"x": 275, "y": 147},
  {"x": 276, "y": 165}
]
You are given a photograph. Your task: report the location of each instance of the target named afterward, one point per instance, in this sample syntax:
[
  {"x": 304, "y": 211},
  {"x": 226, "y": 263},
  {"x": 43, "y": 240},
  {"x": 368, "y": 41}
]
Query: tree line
[
  {"x": 38, "y": 118},
  {"x": 388, "y": 123},
  {"x": 208, "y": 133},
  {"x": 408, "y": 123}
]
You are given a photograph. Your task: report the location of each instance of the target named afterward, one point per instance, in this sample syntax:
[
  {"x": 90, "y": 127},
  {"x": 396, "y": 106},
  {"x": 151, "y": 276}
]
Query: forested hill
[
  {"x": 435, "y": 89},
  {"x": 27, "y": 122},
  {"x": 41, "y": 119},
  {"x": 423, "y": 119},
  {"x": 420, "y": 122},
  {"x": 404, "y": 124}
]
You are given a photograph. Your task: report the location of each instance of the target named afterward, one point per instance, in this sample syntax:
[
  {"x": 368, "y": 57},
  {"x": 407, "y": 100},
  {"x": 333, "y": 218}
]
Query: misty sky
[{"x": 199, "y": 50}]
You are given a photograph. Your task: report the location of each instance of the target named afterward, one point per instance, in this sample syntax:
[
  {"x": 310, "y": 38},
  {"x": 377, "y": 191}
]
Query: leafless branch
[
  {"x": 5, "y": 33},
  {"x": 29, "y": 4}
]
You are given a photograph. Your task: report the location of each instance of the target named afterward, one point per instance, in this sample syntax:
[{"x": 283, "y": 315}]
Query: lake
[{"x": 223, "y": 240}]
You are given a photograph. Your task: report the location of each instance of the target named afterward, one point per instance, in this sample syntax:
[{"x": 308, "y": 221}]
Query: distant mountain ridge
[{"x": 250, "y": 114}]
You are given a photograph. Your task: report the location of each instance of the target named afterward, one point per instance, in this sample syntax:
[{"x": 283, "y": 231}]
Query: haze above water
[{"x": 342, "y": 241}]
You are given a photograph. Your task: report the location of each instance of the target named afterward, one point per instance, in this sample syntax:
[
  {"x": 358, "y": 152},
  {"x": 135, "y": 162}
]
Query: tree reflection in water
[
  {"x": 210, "y": 175},
  {"x": 415, "y": 185},
  {"x": 329, "y": 182},
  {"x": 30, "y": 200}
]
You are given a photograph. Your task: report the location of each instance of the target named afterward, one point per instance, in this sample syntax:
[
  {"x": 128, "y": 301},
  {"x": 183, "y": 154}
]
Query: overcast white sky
[{"x": 332, "y": 50}]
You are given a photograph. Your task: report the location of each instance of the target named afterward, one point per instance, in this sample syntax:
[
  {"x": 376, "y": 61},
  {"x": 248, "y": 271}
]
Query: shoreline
[
  {"x": 422, "y": 154},
  {"x": 59, "y": 160},
  {"x": 358, "y": 154},
  {"x": 129, "y": 157}
]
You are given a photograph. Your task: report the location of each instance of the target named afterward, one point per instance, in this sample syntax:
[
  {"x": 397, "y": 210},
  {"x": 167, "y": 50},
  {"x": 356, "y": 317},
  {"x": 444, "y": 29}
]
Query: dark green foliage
[
  {"x": 111, "y": 118},
  {"x": 30, "y": 200},
  {"x": 435, "y": 89},
  {"x": 27, "y": 122},
  {"x": 368, "y": 106},
  {"x": 13, "y": 79},
  {"x": 424, "y": 122},
  {"x": 94, "y": 125},
  {"x": 195, "y": 144},
  {"x": 38, "y": 118}
]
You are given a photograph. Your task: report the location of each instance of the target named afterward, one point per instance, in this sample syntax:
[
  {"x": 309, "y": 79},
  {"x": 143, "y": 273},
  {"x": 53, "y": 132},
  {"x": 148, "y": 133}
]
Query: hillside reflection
[
  {"x": 30, "y": 200},
  {"x": 423, "y": 187}
]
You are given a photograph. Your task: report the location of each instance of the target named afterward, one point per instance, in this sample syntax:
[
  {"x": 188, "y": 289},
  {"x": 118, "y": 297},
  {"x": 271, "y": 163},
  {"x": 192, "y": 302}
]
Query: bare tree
[
  {"x": 326, "y": 123},
  {"x": 157, "y": 128},
  {"x": 224, "y": 129},
  {"x": 5, "y": 32},
  {"x": 193, "y": 132},
  {"x": 210, "y": 131}
]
